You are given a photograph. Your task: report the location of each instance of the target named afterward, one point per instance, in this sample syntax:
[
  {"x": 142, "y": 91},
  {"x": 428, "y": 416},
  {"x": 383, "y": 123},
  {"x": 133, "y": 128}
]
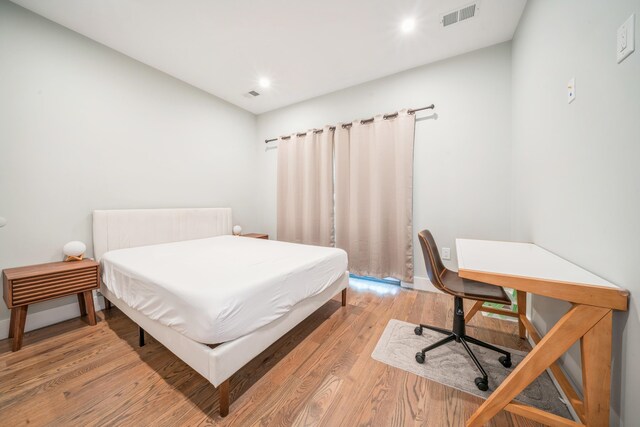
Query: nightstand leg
[
  {"x": 83, "y": 307},
  {"x": 12, "y": 322},
  {"x": 20, "y": 318},
  {"x": 88, "y": 303}
]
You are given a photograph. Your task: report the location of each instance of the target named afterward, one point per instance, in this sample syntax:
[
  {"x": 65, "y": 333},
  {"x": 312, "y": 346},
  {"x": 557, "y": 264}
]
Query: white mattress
[{"x": 221, "y": 288}]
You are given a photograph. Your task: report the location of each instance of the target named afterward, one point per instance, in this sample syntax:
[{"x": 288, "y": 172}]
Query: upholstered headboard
[{"x": 118, "y": 229}]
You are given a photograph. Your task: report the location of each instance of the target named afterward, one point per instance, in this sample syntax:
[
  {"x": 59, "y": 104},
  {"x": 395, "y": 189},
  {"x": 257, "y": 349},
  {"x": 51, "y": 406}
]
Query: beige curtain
[
  {"x": 305, "y": 188},
  {"x": 374, "y": 196}
]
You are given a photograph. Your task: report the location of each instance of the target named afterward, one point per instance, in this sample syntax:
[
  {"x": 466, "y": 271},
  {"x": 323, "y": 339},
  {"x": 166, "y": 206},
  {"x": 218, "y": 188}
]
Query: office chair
[{"x": 449, "y": 282}]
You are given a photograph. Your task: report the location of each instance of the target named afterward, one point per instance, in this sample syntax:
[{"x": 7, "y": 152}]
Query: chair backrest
[{"x": 435, "y": 267}]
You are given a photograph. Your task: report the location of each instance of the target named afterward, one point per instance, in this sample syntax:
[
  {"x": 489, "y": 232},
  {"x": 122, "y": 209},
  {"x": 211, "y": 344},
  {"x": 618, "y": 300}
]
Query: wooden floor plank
[{"x": 319, "y": 374}]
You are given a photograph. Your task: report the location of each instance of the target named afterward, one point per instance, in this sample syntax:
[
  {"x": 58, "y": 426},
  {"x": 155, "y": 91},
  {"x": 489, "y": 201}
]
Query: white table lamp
[{"x": 74, "y": 250}]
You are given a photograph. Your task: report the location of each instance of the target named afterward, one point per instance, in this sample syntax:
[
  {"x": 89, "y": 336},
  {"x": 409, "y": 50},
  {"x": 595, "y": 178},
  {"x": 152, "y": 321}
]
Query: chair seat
[{"x": 474, "y": 290}]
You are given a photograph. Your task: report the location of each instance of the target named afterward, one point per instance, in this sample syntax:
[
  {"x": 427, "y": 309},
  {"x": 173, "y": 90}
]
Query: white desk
[{"x": 529, "y": 268}]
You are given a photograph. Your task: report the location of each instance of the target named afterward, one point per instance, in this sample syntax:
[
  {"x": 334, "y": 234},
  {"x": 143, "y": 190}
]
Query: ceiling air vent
[
  {"x": 450, "y": 18},
  {"x": 460, "y": 15},
  {"x": 467, "y": 12},
  {"x": 251, "y": 94}
]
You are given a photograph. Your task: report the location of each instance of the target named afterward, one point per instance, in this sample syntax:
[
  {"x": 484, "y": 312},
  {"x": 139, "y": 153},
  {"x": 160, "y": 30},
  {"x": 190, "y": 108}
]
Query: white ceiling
[{"x": 305, "y": 47}]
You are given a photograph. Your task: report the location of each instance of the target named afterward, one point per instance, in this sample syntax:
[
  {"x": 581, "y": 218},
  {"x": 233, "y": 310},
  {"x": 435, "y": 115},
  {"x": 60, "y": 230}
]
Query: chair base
[{"x": 458, "y": 335}]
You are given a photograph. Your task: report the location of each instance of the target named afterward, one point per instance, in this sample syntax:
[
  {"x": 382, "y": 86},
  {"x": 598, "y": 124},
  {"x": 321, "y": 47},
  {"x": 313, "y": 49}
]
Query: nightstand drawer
[
  {"x": 39, "y": 288},
  {"x": 27, "y": 285}
]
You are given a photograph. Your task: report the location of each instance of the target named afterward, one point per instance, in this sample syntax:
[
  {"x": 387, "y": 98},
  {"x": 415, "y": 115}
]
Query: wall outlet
[
  {"x": 571, "y": 90},
  {"x": 626, "y": 38},
  {"x": 446, "y": 253}
]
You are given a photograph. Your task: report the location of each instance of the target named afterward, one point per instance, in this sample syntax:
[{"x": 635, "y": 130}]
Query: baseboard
[
  {"x": 420, "y": 284},
  {"x": 49, "y": 317}
]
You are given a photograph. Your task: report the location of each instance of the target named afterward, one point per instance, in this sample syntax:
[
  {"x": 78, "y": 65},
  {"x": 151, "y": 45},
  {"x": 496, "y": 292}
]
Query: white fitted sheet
[{"x": 221, "y": 288}]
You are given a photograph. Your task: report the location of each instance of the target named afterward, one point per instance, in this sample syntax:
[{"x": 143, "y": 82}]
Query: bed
[{"x": 215, "y": 300}]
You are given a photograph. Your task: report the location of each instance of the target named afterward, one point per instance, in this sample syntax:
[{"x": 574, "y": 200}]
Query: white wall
[
  {"x": 576, "y": 175},
  {"x": 83, "y": 127},
  {"x": 461, "y": 179}
]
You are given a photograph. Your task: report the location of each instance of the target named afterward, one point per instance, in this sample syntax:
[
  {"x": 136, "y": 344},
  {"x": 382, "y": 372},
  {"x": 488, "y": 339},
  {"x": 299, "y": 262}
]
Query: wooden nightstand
[
  {"x": 256, "y": 235},
  {"x": 28, "y": 285}
]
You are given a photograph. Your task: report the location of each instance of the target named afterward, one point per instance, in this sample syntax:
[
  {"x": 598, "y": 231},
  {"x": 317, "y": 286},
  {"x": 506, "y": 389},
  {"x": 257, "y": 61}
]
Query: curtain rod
[{"x": 364, "y": 121}]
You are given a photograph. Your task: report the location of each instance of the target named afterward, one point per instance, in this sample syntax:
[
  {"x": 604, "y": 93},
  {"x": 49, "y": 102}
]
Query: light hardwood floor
[{"x": 321, "y": 373}]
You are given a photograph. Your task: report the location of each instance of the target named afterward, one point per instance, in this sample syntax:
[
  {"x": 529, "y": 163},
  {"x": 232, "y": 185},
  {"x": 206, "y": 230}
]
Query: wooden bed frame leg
[
  {"x": 107, "y": 303},
  {"x": 344, "y": 297},
  {"x": 224, "y": 398}
]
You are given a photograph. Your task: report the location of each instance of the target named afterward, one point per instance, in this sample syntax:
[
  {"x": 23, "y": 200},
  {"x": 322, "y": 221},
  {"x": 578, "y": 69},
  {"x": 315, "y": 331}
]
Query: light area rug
[{"x": 450, "y": 365}]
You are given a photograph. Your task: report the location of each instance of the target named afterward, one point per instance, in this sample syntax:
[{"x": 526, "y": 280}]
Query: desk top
[
  {"x": 533, "y": 269},
  {"x": 521, "y": 259}
]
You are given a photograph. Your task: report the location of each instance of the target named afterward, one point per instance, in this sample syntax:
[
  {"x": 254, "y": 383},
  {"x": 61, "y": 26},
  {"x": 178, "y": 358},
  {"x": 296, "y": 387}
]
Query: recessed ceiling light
[
  {"x": 264, "y": 82},
  {"x": 408, "y": 25}
]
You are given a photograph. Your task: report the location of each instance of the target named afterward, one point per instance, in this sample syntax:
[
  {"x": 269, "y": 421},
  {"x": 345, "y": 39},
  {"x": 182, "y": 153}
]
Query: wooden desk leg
[
  {"x": 88, "y": 303},
  {"x": 596, "y": 371},
  {"x": 573, "y": 325},
  {"x": 81, "y": 304},
  {"x": 522, "y": 311},
  {"x": 20, "y": 318},
  {"x": 472, "y": 312}
]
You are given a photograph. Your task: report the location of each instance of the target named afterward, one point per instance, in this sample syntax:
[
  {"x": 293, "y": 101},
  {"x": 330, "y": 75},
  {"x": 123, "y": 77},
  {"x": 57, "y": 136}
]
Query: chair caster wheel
[
  {"x": 419, "y": 357},
  {"x": 506, "y": 361},
  {"x": 418, "y": 330},
  {"x": 482, "y": 383}
]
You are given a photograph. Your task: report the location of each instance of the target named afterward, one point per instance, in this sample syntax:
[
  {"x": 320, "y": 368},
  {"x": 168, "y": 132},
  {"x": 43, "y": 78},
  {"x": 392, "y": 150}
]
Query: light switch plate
[
  {"x": 626, "y": 37},
  {"x": 571, "y": 90},
  {"x": 446, "y": 253}
]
